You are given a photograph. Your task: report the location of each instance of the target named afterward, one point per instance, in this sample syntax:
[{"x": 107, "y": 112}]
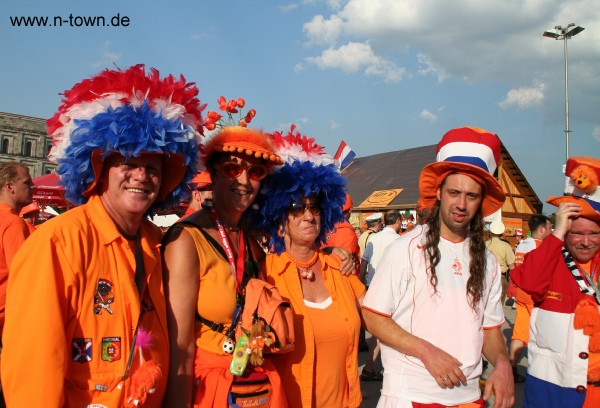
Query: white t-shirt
[
  {"x": 401, "y": 290},
  {"x": 375, "y": 248}
]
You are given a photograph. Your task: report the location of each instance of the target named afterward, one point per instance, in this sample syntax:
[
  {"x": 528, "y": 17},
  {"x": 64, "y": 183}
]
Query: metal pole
[{"x": 567, "y": 130}]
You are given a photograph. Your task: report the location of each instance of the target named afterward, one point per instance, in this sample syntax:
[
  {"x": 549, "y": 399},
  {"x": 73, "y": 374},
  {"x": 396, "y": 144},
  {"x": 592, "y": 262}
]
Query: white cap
[
  {"x": 497, "y": 227},
  {"x": 374, "y": 217}
]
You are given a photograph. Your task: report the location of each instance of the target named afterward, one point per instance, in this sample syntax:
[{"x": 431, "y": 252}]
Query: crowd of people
[{"x": 261, "y": 293}]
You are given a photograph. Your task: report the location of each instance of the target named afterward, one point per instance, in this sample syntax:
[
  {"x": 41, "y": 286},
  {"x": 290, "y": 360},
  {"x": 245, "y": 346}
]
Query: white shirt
[
  {"x": 401, "y": 290},
  {"x": 375, "y": 249}
]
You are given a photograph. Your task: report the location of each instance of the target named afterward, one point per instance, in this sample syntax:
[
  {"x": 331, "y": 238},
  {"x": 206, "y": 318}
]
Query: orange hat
[
  {"x": 348, "y": 204},
  {"x": 581, "y": 187},
  {"x": 238, "y": 139},
  {"x": 467, "y": 150},
  {"x": 202, "y": 179}
]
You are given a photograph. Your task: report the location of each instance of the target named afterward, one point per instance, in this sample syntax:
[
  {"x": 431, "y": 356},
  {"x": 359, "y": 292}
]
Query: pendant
[
  {"x": 307, "y": 274},
  {"x": 228, "y": 346}
]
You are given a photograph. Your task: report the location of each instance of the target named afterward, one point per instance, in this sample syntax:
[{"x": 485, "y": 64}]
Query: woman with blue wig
[{"x": 300, "y": 202}]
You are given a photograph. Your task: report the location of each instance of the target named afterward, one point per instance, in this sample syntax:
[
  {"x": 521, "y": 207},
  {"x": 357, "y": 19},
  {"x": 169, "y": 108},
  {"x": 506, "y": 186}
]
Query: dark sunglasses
[
  {"x": 233, "y": 170},
  {"x": 298, "y": 209}
]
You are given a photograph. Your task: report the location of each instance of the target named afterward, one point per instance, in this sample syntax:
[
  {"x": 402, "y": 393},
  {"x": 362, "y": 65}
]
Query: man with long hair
[{"x": 435, "y": 303}]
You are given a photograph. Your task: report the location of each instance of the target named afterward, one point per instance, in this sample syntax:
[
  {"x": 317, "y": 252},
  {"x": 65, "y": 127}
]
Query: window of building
[
  {"x": 28, "y": 149},
  {"x": 4, "y": 146}
]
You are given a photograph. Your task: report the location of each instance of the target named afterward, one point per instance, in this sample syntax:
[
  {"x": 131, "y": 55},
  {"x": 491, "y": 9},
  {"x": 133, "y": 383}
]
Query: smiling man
[
  {"x": 88, "y": 283},
  {"x": 561, "y": 276},
  {"x": 434, "y": 302}
]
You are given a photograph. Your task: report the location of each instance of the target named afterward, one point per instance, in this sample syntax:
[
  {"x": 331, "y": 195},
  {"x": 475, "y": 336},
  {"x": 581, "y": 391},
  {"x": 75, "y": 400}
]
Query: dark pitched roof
[{"x": 391, "y": 170}]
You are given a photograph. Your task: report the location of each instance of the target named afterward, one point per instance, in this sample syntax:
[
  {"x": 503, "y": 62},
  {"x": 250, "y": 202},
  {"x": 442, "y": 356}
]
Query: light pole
[{"x": 564, "y": 33}]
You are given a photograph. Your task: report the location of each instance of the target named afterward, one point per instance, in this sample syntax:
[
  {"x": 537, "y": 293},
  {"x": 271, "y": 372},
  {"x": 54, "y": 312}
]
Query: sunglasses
[
  {"x": 298, "y": 209},
  {"x": 233, "y": 170}
]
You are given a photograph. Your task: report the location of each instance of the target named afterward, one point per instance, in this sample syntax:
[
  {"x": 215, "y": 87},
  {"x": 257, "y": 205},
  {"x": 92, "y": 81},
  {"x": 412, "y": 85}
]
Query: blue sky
[{"x": 382, "y": 75}]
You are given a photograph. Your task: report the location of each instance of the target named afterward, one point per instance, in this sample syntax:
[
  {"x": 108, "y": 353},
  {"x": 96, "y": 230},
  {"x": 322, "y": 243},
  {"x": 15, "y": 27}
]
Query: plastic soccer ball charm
[{"x": 228, "y": 346}]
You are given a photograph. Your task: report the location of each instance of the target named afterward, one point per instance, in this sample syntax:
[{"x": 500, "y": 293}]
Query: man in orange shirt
[
  {"x": 16, "y": 189},
  {"x": 86, "y": 323}
]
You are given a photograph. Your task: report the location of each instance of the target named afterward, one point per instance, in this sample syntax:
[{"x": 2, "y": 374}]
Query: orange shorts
[{"x": 524, "y": 305}]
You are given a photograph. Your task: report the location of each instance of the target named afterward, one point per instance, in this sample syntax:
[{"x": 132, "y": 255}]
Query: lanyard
[{"x": 237, "y": 266}]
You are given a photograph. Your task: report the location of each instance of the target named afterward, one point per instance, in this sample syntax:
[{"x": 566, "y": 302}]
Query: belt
[{"x": 594, "y": 383}]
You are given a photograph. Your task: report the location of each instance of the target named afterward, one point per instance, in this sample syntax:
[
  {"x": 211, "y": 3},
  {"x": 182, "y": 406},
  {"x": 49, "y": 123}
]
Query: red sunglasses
[{"x": 233, "y": 170}]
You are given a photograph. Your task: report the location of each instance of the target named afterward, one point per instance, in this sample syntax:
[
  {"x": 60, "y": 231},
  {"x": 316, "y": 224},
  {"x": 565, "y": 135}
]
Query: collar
[{"x": 6, "y": 207}]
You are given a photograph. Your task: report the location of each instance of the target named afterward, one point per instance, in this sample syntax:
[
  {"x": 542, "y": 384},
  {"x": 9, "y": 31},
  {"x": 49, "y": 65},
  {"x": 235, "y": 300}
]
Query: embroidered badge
[
  {"x": 81, "y": 350},
  {"x": 457, "y": 267},
  {"x": 554, "y": 295},
  {"x": 111, "y": 348},
  {"x": 103, "y": 297}
]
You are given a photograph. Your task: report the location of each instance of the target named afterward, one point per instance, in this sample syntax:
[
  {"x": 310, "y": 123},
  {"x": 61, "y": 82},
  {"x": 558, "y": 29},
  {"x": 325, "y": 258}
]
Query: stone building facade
[{"x": 24, "y": 139}]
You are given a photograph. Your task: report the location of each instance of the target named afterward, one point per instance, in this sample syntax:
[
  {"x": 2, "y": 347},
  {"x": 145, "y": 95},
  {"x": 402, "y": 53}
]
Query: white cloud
[
  {"x": 354, "y": 57},
  {"x": 322, "y": 31},
  {"x": 596, "y": 133},
  {"x": 524, "y": 98},
  {"x": 288, "y": 7},
  {"x": 428, "y": 116},
  {"x": 108, "y": 57},
  {"x": 333, "y": 125}
]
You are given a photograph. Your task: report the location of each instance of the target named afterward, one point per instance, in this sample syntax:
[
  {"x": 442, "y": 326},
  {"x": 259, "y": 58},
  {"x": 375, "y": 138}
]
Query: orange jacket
[
  {"x": 344, "y": 237},
  {"x": 73, "y": 308},
  {"x": 296, "y": 367},
  {"x": 13, "y": 232}
]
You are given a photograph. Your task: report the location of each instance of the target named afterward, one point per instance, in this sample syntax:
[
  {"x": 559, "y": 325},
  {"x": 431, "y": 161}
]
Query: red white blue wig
[
  {"x": 128, "y": 113},
  {"x": 307, "y": 171}
]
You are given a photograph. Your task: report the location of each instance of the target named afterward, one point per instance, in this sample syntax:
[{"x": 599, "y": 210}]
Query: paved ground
[{"x": 371, "y": 389}]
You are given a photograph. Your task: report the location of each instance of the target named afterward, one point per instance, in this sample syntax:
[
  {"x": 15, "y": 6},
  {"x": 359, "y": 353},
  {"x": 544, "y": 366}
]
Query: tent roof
[{"x": 391, "y": 170}]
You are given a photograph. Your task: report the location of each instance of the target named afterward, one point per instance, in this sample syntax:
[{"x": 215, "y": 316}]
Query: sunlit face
[
  {"x": 583, "y": 239},
  {"x": 304, "y": 222},
  {"x": 460, "y": 198},
  {"x": 130, "y": 188},
  {"x": 23, "y": 186},
  {"x": 233, "y": 191}
]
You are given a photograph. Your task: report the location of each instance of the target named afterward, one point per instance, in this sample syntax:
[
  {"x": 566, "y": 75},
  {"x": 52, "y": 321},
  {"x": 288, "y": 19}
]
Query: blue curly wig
[
  {"x": 294, "y": 181},
  {"x": 128, "y": 113}
]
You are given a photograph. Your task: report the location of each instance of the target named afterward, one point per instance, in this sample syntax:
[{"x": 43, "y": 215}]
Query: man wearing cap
[
  {"x": 434, "y": 302},
  {"x": 86, "y": 323},
  {"x": 561, "y": 276},
  {"x": 374, "y": 225},
  {"x": 502, "y": 251},
  {"x": 540, "y": 227},
  {"x": 201, "y": 188},
  {"x": 343, "y": 236}
]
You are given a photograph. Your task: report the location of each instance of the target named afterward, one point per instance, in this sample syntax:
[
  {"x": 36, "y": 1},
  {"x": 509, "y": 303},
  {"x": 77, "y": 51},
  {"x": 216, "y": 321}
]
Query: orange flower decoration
[{"x": 216, "y": 120}]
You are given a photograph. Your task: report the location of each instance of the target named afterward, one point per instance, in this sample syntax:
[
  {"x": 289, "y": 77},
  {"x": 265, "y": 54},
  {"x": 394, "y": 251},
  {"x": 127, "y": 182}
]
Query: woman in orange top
[
  {"x": 302, "y": 201},
  {"x": 206, "y": 258}
]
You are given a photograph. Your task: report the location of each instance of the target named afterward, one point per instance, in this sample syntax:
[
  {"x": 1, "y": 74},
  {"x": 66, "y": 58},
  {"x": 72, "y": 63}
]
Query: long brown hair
[{"x": 477, "y": 251}]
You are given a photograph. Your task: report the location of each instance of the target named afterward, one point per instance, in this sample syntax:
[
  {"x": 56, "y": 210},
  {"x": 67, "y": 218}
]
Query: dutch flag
[{"x": 344, "y": 156}]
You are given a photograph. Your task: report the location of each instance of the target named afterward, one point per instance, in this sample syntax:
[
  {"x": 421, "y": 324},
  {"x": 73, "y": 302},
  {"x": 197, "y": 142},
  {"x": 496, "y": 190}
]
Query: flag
[{"x": 344, "y": 156}]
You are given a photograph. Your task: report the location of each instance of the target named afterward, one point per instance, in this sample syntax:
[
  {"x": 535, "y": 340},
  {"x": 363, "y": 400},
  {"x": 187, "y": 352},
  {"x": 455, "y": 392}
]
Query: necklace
[{"x": 307, "y": 273}]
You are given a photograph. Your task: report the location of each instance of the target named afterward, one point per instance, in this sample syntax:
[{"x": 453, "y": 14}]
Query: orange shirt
[
  {"x": 72, "y": 311},
  {"x": 13, "y": 232},
  {"x": 297, "y": 368}
]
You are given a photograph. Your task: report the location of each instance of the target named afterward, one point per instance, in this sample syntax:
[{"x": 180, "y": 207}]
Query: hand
[
  {"x": 347, "y": 262},
  {"x": 564, "y": 217},
  {"x": 500, "y": 383},
  {"x": 444, "y": 368}
]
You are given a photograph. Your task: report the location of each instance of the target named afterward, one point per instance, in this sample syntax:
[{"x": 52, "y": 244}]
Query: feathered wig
[
  {"x": 307, "y": 171},
  {"x": 128, "y": 113}
]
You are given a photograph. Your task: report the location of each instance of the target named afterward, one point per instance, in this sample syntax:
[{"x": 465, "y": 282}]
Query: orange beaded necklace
[{"x": 307, "y": 273}]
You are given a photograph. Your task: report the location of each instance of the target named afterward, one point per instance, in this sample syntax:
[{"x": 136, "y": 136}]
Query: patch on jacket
[
  {"x": 553, "y": 295},
  {"x": 111, "y": 348},
  {"x": 104, "y": 297},
  {"x": 81, "y": 349}
]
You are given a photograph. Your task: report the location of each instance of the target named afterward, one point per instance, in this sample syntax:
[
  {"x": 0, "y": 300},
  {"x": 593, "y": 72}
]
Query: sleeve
[
  {"x": 13, "y": 239},
  {"x": 510, "y": 255},
  {"x": 35, "y": 349},
  {"x": 368, "y": 252},
  {"x": 535, "y": 274},
  {"x": 357, "y": 286},
  {"x": 388, "y": 284},
  {"x": 493, "y": 313}
]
